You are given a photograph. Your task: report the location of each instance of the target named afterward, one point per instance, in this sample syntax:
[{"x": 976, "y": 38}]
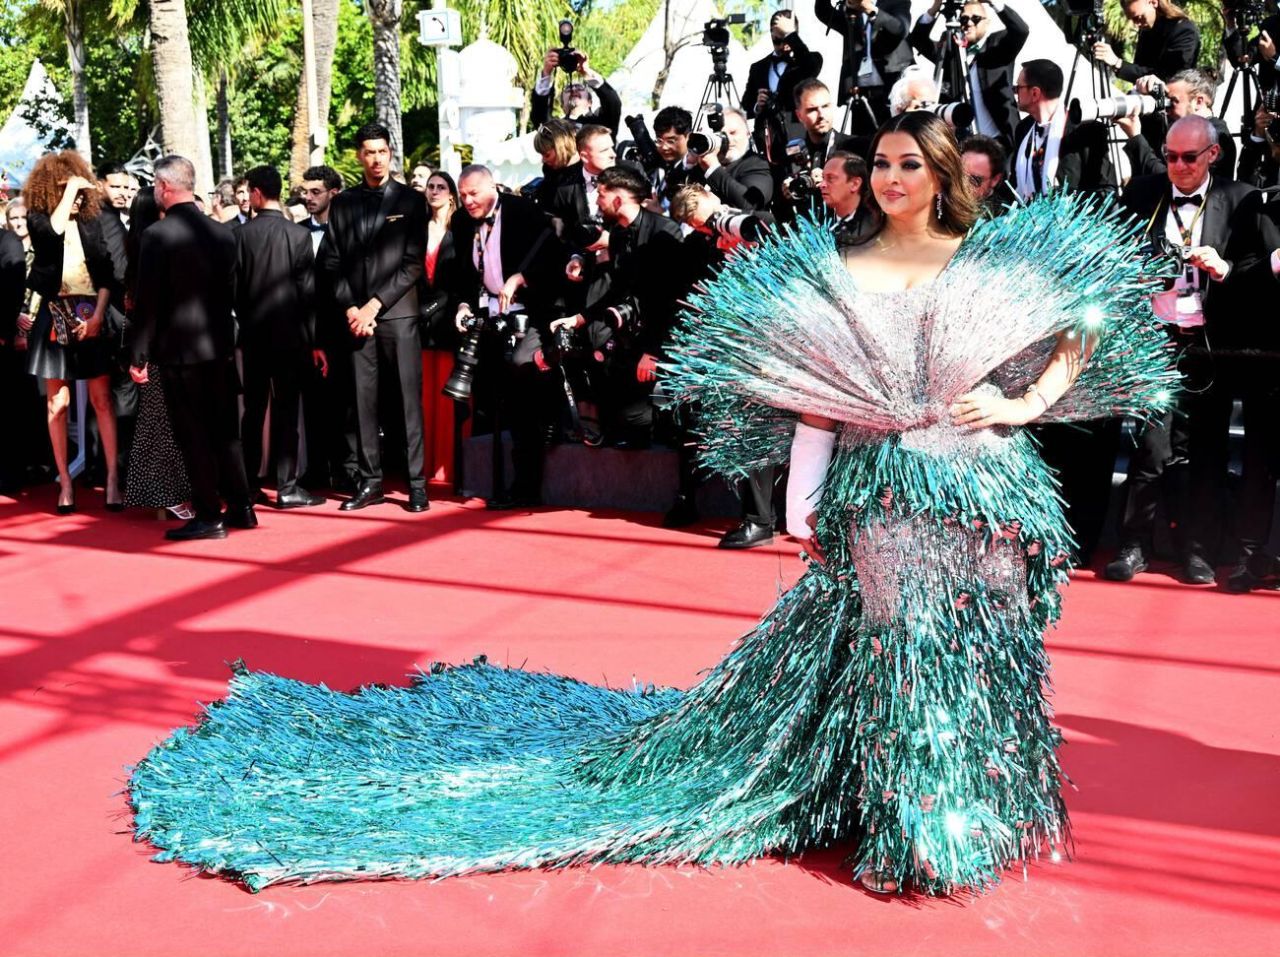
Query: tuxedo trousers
[
  {"x": 329, "y": 413},
  {"x": 274, "y": 376},
  {"x": 395, "y": 348},
  {"x": 203, "y": 404}
]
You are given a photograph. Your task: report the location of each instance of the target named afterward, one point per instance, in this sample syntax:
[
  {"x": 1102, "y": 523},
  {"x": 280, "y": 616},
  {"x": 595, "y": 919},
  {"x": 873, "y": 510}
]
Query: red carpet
[{"x": 110, "y": 636}]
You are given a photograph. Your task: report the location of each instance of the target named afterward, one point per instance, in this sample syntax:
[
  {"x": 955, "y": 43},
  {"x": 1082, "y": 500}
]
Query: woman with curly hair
[{"x": 74, "y": 275}]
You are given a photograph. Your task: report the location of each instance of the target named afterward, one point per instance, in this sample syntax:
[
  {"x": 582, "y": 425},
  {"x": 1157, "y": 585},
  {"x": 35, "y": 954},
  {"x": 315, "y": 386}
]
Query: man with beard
[{"x": 740, "y": 178}]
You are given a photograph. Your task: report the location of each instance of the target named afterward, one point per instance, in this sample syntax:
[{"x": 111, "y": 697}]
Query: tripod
[
  {"x": 951, "y": 66},
  {"x": 1086, "y": 32},
  {"x": 853, "y": 98},
  {"x": 720, "y": 89},
  {"x": 1250, "y": 93}
]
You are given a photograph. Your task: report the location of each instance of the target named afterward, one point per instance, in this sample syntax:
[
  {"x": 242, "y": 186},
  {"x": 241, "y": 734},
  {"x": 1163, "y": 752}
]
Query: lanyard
[{"x": 1186, "y": 232}]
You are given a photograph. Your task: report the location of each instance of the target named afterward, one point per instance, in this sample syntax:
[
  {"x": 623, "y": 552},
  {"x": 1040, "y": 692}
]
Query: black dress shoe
[
  {"x": 298, "y": 498},
  {"x": 748, "y": 535},
  {"x": 1130, "y": 561},
  {"x": 196, "y": 529},
  {"x": 1197, "y": 571},
  {"x": 417, "y": 500},
  {"x": 240, "y": 517},
  {"x": 682, "y": 514},
  {"x": 366, "y": 495},
  {"x": 1259, "y": 570}
]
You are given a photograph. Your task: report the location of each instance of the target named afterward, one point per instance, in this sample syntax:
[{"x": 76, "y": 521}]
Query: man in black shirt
[
  {"x": 373, "y": 259},
  {"x": 771, "y": 82}
]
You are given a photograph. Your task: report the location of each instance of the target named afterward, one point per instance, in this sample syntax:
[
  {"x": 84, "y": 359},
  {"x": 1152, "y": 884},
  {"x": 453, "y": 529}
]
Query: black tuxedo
[
  {"x": 1185, "y": 455},
  {"x": 1169, "y": 46},
  {"x": 1084, "y": 159},
  {"x": 890, "y": 51},
  {"x": 608, "y": 114},
  {"x": 993, "y": 68},
  {"x": 183, "y": 323},
  {"x": 14, "y": 382},
  {"x": 13, "y": 281},
  {"x": 1257, "y": 167},
  {"x": 275, "y": 306},
  {"x": 374, "y": 249},
  {"x": 745, "y": 184},
  {"x": 1147, "y": 162},
  {"x": 803, "y": 65}
]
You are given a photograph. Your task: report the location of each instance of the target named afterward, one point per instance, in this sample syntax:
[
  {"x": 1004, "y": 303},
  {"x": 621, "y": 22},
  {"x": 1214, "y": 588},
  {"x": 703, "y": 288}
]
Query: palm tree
[
  {"x": 174, "y": 71},
  {"x": 384, "y": 16},
  {"x": 324, "y": 19},
  {"x": 71, "y": 15}
]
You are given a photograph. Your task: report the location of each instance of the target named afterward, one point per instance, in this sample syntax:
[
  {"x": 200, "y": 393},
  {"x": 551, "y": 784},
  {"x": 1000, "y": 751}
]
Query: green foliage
[{"x": 607, "y": 34}]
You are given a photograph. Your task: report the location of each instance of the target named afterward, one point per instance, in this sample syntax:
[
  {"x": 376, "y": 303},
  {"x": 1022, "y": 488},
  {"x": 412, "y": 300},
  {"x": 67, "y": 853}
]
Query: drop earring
[{"x": 937, "y": 204}]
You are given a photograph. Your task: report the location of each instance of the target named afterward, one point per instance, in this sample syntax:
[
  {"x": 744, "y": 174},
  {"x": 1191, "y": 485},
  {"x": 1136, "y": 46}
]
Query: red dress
[{"x": 437, "y": 410}]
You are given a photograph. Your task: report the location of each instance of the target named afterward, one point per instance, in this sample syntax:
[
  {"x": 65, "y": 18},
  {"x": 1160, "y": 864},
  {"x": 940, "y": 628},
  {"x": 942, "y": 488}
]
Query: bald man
[{"x": 1189, "y": 215}]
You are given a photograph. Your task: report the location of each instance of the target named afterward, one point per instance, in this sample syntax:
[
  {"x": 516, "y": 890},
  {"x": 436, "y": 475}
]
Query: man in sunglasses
[
  {"x": 1051, "y": 150},
  {"x": 771, "y": 82},
  {"x": 1190, "y": 217},
  {"x": 990, "y": 37}
]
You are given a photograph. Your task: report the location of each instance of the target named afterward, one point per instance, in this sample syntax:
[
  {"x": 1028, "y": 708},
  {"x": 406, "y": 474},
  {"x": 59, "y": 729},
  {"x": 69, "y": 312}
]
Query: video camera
[
  {"x": 570, "y": 59},
  {"x": 712, "y": 139},
  {"x": 513, "y": 326},
  {"x": 1114, "y": 107},
  {"x": 716, "y": 38}
]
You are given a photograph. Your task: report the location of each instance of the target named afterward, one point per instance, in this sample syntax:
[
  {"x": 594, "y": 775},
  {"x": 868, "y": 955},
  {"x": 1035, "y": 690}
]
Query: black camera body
[
  {"x": 716, "y": 38},
  {"x": 570, "y": 59},
  {"x": 804, "y": 183},
  {"x": 642, "y": 149},
  {"x": 511, "y": 326}
]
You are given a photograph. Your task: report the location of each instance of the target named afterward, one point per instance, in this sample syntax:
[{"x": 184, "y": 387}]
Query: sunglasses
[
  {"x": 1171, "y": 156},
  {"x": 967, "y": 20}
]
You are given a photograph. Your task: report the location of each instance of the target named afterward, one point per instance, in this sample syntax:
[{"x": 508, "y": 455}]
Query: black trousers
[
  {"x": 757, "y": 496},
  {"x": 206, "y": 422},
  {"x": 24, "y": 436},
  {"x": 329, "y": 414},
  {"x": 274, "y": 376},
  {"x": 396, "y": 349},
  {"x": 1084, "y": 458},
  {"x": 527, "y": 396}
]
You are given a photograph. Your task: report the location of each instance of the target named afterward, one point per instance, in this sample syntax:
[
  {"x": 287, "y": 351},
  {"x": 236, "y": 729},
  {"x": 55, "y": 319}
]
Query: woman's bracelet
[{"x": 1034, "y": 389}]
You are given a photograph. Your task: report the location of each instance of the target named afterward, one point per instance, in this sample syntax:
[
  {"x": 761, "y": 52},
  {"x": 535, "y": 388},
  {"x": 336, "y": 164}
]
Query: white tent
[{"x": 21, "y": 144}]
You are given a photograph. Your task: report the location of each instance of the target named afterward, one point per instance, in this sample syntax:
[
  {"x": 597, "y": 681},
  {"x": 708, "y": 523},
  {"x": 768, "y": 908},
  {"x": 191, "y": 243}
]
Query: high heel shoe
[
  {"x": 70, "y": 507},
  {"x": 110, "y": 505},
  {"x": 878, "y": 883}
]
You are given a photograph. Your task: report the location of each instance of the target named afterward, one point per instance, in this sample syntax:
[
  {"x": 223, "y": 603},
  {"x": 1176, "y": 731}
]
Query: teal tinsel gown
[{"x": 896, "y": 695}]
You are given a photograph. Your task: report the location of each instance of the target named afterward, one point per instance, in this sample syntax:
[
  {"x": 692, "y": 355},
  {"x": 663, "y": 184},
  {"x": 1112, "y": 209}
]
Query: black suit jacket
[
  {"x": 609, "y": 114},
  {"x": 182, "y": 311},
  {"x": 115, "y": 235},
  {"x": 1169, "y": 46},
  {"x": 803, "y": 65},
  {"x": 375, "y": 250},
  {"x": 994, "y": 68},
  {"x": 527, "y": 246},
  {"x": 1147, "y": 162},
  {"x": 275, "y": 284},
  {"x": 13, "y": 281},
  {"x": 1253, "y": 327},
  {"x": 890, "y": 51},
  {"x": 746, "y": 183},
  {"x": 1084, "y": 160},
  {"x": 647, "y": 264},
  {"x": 1148, "y": 197},
  {"x": 46, "y": 270}
]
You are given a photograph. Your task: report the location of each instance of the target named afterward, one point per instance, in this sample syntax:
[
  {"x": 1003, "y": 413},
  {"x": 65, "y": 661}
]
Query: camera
[
  {"x": 739, "y": 226},
  {"x": 1114, "y": 107},
  {"x": 1270, "y": 101},
  {"x": 804, "y": 182},
  {"x": 641, "y": 150},
  {"x": 716, "y": 38},
  {"x": 570, "y": 59},
  {"x": 712, "y": 139},
  {"x": 585, "y": 233},
  {"x": 461, "y": 379},
  {"x": 955, "y": 115}
]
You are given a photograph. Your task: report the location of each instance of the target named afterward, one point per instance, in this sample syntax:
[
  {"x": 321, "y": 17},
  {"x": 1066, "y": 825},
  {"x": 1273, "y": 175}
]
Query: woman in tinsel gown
[{"x": 895, "y": 695}]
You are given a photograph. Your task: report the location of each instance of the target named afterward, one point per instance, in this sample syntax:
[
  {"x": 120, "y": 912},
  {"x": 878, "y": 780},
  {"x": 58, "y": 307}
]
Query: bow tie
[
  {"x": 1188, "y": 201},
  {"x": 490, "y": 220},
  {"x": 318, "y": 227}
]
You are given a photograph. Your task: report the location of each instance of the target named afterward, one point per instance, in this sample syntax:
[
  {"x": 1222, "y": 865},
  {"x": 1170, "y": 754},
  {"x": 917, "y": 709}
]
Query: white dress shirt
[{"x": 1049, "y": 137}]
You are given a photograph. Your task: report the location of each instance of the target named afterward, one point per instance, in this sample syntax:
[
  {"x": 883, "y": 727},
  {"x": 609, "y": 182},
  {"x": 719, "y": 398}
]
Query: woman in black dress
[{"x": 73, "y": 273}]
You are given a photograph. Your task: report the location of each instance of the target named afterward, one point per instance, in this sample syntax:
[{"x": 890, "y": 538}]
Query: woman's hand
[
  {"x": 91, "y": 328},
  {"x": 978, "y": 410},
  {"x": 25, "y": 321},
  {"x": 810, "y": 544}
]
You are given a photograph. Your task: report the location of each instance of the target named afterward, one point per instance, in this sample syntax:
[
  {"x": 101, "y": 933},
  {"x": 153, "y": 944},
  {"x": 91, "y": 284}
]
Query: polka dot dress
[{"x": 157, "y": 474}]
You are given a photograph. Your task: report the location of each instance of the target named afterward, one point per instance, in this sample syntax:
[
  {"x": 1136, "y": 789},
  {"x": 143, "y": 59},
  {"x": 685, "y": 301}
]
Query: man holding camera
[
  {"x": 1053, "y": 151},
  {"x": 798, "y": 168},
  {"x": 982, "y": 60},
  {"x": 372, "y": 258},
  {"x": 1189, "y": 93},
  {"x": 771, "y": 82},
  {"x": 724, "y": 161},
  {"x": 576, "y": 97},
  {"x": 875, "y": 52},
  {"x": 1191, "y": 217},
  {"x": 509, "y": 263},
  {"x": 844, "y": 186}
]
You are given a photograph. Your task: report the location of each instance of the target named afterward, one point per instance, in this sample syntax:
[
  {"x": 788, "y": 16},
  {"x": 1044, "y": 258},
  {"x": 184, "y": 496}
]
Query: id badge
[
  {"x": 1190, "y": 309},
  {"x": 484, "y": 301}
]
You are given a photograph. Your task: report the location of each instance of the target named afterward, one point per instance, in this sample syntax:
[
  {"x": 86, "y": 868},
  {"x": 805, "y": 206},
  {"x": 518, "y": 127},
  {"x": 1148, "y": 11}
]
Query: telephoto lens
[
  {"x": 1114, "y": 107},
  {"x": 704, "y": 144},
  {"x": 458, "y": 385}
]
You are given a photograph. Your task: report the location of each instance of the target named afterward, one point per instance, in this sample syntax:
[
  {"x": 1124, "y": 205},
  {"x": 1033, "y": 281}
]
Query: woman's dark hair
[
  {"x": 942, "y": 156},
  {"x": 453, "y": 187},
  {"x": 144, "y": 211}
]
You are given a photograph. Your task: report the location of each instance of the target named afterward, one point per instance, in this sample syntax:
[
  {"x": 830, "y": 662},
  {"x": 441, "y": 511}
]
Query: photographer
[
  {"x": 1260, "y": 152},
  {"x": 798, "y": 171},
  {"x": 844, "y": 186},
  {"x": 1053, "y": 151},
  {"x": 1241, "y": 49},
  {"x": 508, "y": 262},
  {"x": 557, "y": 143},
  {"x": 984, "y": 163},
  {"x": 771, "y": 82},
  {"x": 875, "y": 52},
  {"x": 1190, "y": 93},
  {"x": 987, "y": 59},
  {"x": 628, "y": 325},
  {"x": 738, "y": 176},
  {"x": 671, "y": 128},
  {"x": 1168, "y": 42},
  {"x": 576, "y": 99},
  {"x": 1190, "y": 218}
]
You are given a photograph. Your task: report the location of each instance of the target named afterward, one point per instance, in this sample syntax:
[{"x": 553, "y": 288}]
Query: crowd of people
[{"x": 380, "y": 322}]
